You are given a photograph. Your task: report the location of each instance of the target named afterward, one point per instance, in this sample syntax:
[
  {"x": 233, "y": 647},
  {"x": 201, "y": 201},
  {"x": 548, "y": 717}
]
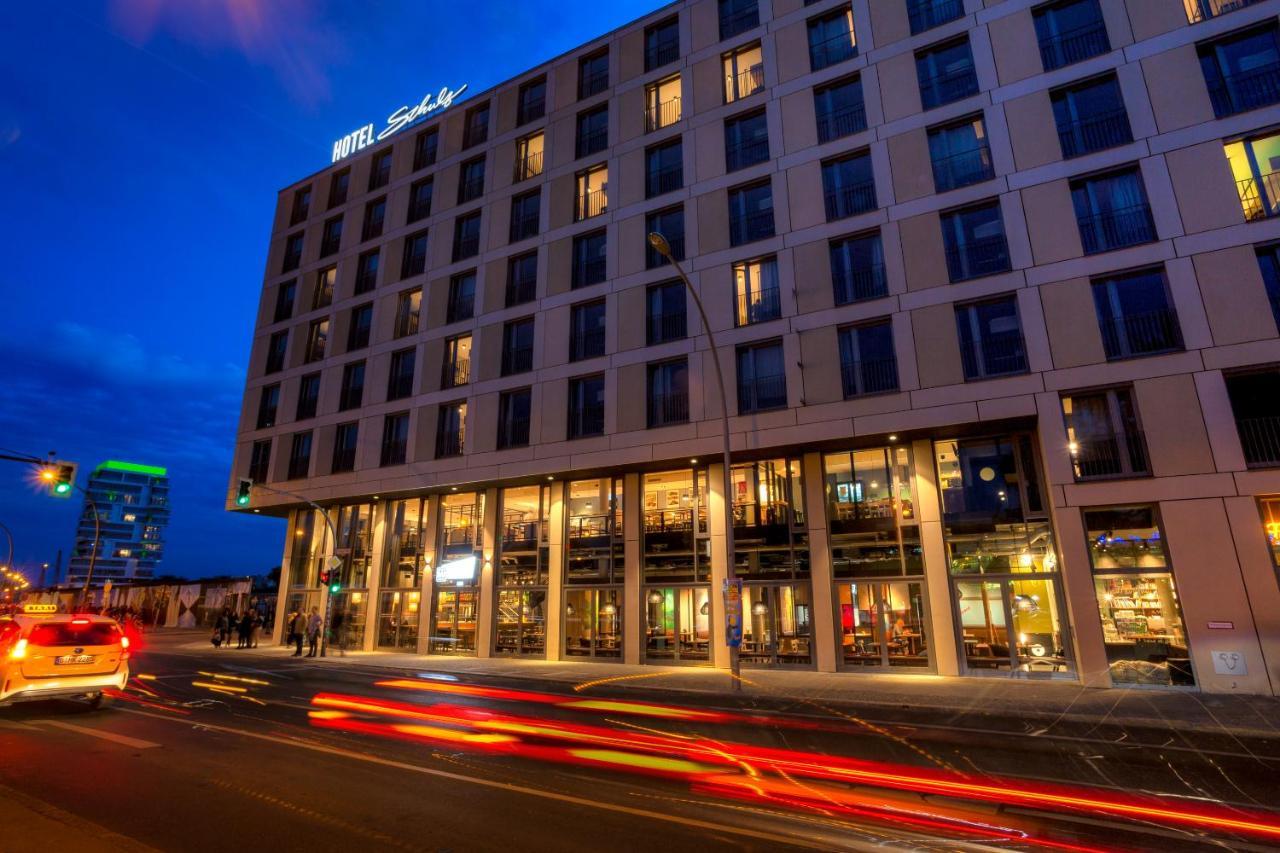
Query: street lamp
[{"x": 662, "y": 247}]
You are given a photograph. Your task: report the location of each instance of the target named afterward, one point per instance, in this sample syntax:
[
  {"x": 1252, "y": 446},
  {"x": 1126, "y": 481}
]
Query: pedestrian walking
[
  {"x": 255, "y": 627},
  {"x": 295, "y": 632},
  {"x": 313, "y": 632},
  {"x": 246, "y": 629},
  {"x": 224, "y": 628}
]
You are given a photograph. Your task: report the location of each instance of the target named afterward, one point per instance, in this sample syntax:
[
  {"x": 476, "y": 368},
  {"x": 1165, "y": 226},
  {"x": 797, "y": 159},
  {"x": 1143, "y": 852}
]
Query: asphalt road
[{"x": 230, "y": 750}]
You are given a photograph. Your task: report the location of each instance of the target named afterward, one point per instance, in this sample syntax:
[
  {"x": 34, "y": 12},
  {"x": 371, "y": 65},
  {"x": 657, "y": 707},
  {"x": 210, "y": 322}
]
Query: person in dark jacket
[
  {"x": 295, "y": 626},
  {"x": 246, "y": 629}
]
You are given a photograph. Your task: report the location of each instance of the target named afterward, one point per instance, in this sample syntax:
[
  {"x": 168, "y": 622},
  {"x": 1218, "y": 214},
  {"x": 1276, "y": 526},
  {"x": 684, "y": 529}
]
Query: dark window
[
  {"x": 462, "y": 297},
  {"x": 1242, "y": 70},
  {"x": 1103, "y": 437},
  {"x": 1112, "y": 211},
  {"x": 308, "y": 396},
  {"x": 664, "y": 168},
  {"x": 420, "y": 199},
  {"x": 449, "y": 429},
  {"x": 1070, "y": 31},
  {"x": 974, "y": 240},
  {"x": 750, "y": 213},
  {"x": 338, "y": 186},
  {"x": 762, "y": 379},
  {"x": 285, "y": 293},
  {"x": 586, "y": 406},
  {"x": 670, "y": 224},
  {"x": 1136, "y": 315},
  {"x": 522, "y": 279},
  {"x": 960, "y": 154},
  {"x": 848, "y": 187},
  {"x": 351, "y": 393},
  {"x": 477, "y": 125},
  {"x": 457, "y": 362},
  {"x": 868, "y": 364},
  {"x": 661, "y": 43},
  {"x": 531, "y": 101},
  {"x": 408, "y": 310},
  {"x": 591, "y": 193},
  {"x": 593, "y": 74},
  {"x": 425, "y": 146},
  {"x": 466, "y": 236},
  {"x": 756, "y": 295},
  {"x": 990, "y": 338},
  {"x": 665, "y": 317},
  {"x": 746, "y": 140},
  {"x": 361, "y": 324},
  {"x": 839, "y": 109},
  {"x": 395, "y": 439},
  {"x": 668, "y": 393},
  {"x": 380, "y": 173},
  {"x": 322, "y": 296},
  {"x": 525, "y": 210},
  {"x": 301, "y": 205},
  {"x": 344, "y": 447},
  {"x": 317, "y": 339},
  {"x": 513, "y": 418},
  {"x": 529, "y": 157},
  {"x": 946, "y": 73},
  {"x": 593, "y": 131},
  {"x": 292, "y": 252},
  {"x": 300, "y": 456},
  {"x": 926, "y": 14},
  {"x": 332, "y": 237},
  {"x": 268, "y": 403},
  {"x": 517, "y": 346},
  {"x": 471, "y": 180},
  {"x": 275, "y": 352},
  {"x": 857, "y": 268},
  {"x": 1090, "y": 116},
  {"x": 400, "y": 374},
  {"x": 414, "y": 260},
  {"x": 260, "y": 461},
  {"x": 588, "y": 259},
  {"x": 1255, "y": 403},
  {"x": 831, "y": 39},
  {"x": 738, "y": 16},
  {"x": 375, "y": 217},
  {"x": 367, "y": 272},
  {"x": 586, "y": 330},
  {"x": 1269, "y": 264}
]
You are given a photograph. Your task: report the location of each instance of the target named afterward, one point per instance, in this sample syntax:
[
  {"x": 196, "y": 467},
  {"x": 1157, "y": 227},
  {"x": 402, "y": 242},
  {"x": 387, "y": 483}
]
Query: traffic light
[
  {"x": 60, "y": 477},
  {"x": 243, "y": 487},
  {"x": 331, "y": 579}
]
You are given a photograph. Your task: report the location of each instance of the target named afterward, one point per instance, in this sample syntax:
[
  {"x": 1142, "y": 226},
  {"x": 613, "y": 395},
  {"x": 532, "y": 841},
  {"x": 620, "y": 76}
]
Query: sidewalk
[{"x": 34, "y": 826}]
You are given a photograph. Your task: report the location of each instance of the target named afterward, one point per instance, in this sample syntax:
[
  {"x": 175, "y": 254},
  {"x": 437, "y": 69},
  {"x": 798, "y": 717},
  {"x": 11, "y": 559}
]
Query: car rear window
[{"x": 66, "y": 634}]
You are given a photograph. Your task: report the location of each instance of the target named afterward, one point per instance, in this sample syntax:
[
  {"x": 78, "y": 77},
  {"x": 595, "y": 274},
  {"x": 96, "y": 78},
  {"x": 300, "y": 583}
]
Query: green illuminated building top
[{"x": 132, "y": 467}]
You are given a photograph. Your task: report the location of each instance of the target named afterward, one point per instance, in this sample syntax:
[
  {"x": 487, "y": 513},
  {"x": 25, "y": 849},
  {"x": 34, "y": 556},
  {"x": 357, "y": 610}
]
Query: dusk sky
[{"x": 142, "y": 143}]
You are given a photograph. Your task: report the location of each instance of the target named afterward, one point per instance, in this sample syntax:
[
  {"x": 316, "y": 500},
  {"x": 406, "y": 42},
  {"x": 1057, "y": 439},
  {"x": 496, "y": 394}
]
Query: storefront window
[
  {"x": 770, "y": 539},
  {"x": 522, "y": 571},
  {"x": 1270, "y": 508},
  {"x": 678, "y": 624},
  {"x": 398, "y": 619},
  {"x": 676, "y": 546},
  {"x": 403, "y": 555},
  {"x": 594, "y": 536},
  {"x": 456, "y": 590},
  {"x": 777, "y": 625},
  {"x": 1142, "y": 624},
  {"x": 593, "y": 622},
  {"x": 310, "y": 534}
]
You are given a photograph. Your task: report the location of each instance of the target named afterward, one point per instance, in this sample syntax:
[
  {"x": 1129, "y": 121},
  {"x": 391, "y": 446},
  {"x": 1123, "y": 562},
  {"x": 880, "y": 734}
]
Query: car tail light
[
  {"x": 124, "y": 642},
  {"x": 19, "y": 650},
  {"x": 80, "y": 620}
]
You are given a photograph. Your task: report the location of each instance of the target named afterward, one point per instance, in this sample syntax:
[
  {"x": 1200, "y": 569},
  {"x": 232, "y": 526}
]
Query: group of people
[
  {"x": 310, "y": 626},
  {"x": 247, "y": 628}
]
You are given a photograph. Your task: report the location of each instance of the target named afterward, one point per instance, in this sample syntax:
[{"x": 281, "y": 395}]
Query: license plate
[{"x": 74, "y": 659}]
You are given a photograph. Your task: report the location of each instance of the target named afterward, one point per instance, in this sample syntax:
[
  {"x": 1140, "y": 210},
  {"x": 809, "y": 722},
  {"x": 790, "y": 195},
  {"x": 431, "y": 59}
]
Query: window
[
  {"x": 946, "y": 73},
  {"x": 338, "y": 186},
  {"x": 450, "y": 425},
  {"x": 1255, "y": 164},
  {"x": 670, "y": 224},
  {"x": 974, "y": 240},
  {"x": 868, "y": 363},
  {"x": 322, "y": 296},
  {"x": 1090, "y": 116},
  {"x": 408, "y": 309},
  {"x": 1070, "y": 31},
  {"x": 1269, "y": 265},
  {"x": 587, "y": 330},
  {"x": 268, "y": 403},
  {"x": 380, "y": 172},
  {"x": 375, "y": 216},
  {"x": 762, "y": 380},
  {"x": 400, "y": 374},
  {"x": 746, "y": 140},
  {"x": 525, "y": 209},
  {"x": 857, "y": 268},
  {"x": 301, "y": 205},
  {"x": 292, "y": 253},
  {"x": 308, "y": 396},
  {"x": 662, "y": 103},
  {"x": 517, "y": 346},
  {"x": 1112, "y": 211},
  {"x": 344, "y": 447},
  {"x": 531, "y": 101},
  {"x": 420, "y": 199},
  {"x": 990, "y": 338},
  {"x": 351, "y": 393},
  {"x": 738, "y": 16},
  {"x": 260, "y": 461},
  {"x": 831, "y": 39},
  {"x": 476, "y": 129},
  {"x": 1136, "y": 315},
  {"x": 668, "y": 393},
  {"x": 1202, "y": 10},
  {"x": 848, "y": 187},
  {"x": 586, "y": 406},
  {"x": 591, "y": 193},
  {"x": 513, "y": 418},
  {"x": 960, "y": 154},
  {"x": 285, "y": 293},
  {"x": 593, "y": 131},
  {"x": 926, "y": 14},
  {"x": 466, "y": 236},
  {"x": 743, "y": 72},
  {"x": 457, "y": 362},
  {"x": 755, "y": 292},
  {"x": 367, "y": 272},
  {"x": 425, "y": 145},
  {"x": 750, "y": 213},
  {"x": 471, "y": 180},
  {"x": 522, "y": 278},
  {"x": 1255, "y": 403},
  {"x": 317, "y": 336},
  {"x": 1103, "y": 437},
  {"x": 300, "y": 456},
  {"x": 462, "y": 297},
  {"x": 665, "y": 317},
  {"x": 839, "y": 109},
  {"x": 1242, "y": 70},
  {"x": 414, "y": 260},
  {"x": 529, "y": 157},
  {"x": 588, "y": 259},
  {"x": 593, "y": 73},
  {"x": 664, "y": 168},
  {"x": 661, "y": 43},
  {"x": 395, "y": 439},
  {"x": 361, "y": 324}
]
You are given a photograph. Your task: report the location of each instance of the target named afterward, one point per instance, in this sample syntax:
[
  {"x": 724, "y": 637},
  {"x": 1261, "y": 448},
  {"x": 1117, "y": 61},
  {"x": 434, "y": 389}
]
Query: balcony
[
  {"x": 1095, "y": 133},
  {"x": 661, "y": 328},
  {"x": 667, "y": 409},
  {"x": 466, "y": 246},
  {"x": 664, "y": 52},
  {"x": 664, "y": 180},
  {"x": 750, "y": 227},
  {"x": 994, "y": 355},
  {"x": 759, "y": 306},
  {"x": 844, "y": 121},
  {"x": 838, "y": 48},
  {"x": 448, "y": 443},
  {"x": 594, "y": 203},
  {"x": 520, "y": 291},
  {"x": 456, "y": 374},
  {"x": 514, "y": 432},
  {"x": 1260, "y": 440},
  {"x": 588, "y": 272},
  {"x": 586, "y": 421},
  {"x": 962, "y": 169},
  {"x": 591, "y": 141},
  {"x": 1109, "y": 455},
  {"x": 1116, "y": 229},
  {"x": 948, "y": 86},
  {"x": 1260, "y": 196},
  {"x": 1203, "y": 10},
  {"x": 978, "y": 258},
  {"x": 869, "y": 376},
  {"x": 1074, "y": 45},
  {"x": 856, "y": 284},
  {"x": 517, "y": 359},
  {"x": 1146, "y": 333},
  {"x": 587, "y": 343},
  {"x": 747, "y": 83},
  {"x": 747, "y": 153},
  {"x": 1244, "y": 91},
  {"x": 764, "y": 392},
  {"x": 461, "y": 307},
  {"x": 593, "y": 82},
  {"x": 471, "y": 188},
  {"x": 739, "y": 21},
  {"x": 531, "y": 110},
  {"x": 843, "y": 202},
  {"x": 927, "y": 14},
  {"x": 528, "y": 166},
  {"x": 524, "y": 227},
  {"x": 661, "y": 115}
]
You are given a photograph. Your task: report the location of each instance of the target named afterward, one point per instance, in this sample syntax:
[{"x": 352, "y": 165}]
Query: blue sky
[{"x": 142, "y": 143}]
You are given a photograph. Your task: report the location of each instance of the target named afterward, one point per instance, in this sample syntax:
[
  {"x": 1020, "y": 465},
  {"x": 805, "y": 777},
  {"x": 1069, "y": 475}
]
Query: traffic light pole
[{"x": 45, "y": 465}]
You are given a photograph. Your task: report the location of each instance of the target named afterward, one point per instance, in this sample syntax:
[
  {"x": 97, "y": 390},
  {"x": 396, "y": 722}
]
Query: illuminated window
[
  {"x": 743, "y": 72},
  {"x": 592, "y": 188},
  {"x": 529, "y": 157},
  {"x": 457, "y": 361},
  {"x": 662, "y": 103},
  {"x": 756, "y": 293}
]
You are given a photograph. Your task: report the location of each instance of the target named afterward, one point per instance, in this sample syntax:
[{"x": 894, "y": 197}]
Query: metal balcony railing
[
  {"x": 593, "y": 82},
  {"x": 585, "y": 421},
  {"x": 531, "y": 110},
  {"x": 978, "y": 258},
  {"x": 1260, "y": 196},
  {"x": 517, "y": 359},
  {"x": 372, "y": 228},
  {"x": 344, "y": 460},
  {"x": 759, "y": 306},
  {"x": 853, "y": 284},
  {"x": 588, "y": 272},
  {"x": 1260, "y": 440},
  {"x": 746, "y": 153},
  {"x": 666, "y": 409},
  {"x": 962, "y": 169},
  {"x": 419, "y": 208},
  {"x": 1115, "y": 229},
  {"x": 1095, "y": 133},
  {"x": 461, "y": 307},
  {"x": 847, "y": 201},
  {"x": 1143, "y": 333},
  {"x": 764, "y": 392},
  {"x": 466, "y": 246},
  {"x": 658, "y": 116},
  {"x": 514, "y": 432},
  {"x": 666, "y": 327},
  {"x": 835, "y": 49},
  {"x": 457, "y": 373},
  {"x": 748, "y": 228},
  {"x": 528, "y": 166},
  {"x": 665, "y": 51},
  {"x": 869, "y": 376},
  {"x": 524, "y": 227},
  {"x": 747, "y": 82},
  {"x": 844, "y": 121},
  {"x": 1074, "y": 45},
  {"x": 1107, "y": 455},
  {"x": 448, "y": 443},
  {"x": 521, "y": 290},
  {"x": 994, "y": 355},
  {"x": 1203, "y": 10},
  {"x": 470, "y": 189},
  {"x": 664, "y": 180},
  {"x": 653, "y": 258},
  {"x": 596, "y": 139},
  {"x": 587, "y": 343},
  {"x": 948, "y": 86},
  {"x": 739, "y": 21},
  {"x": 329, "y": 245},
  {"x": 594, "y": 203},
  {"x": 424, "y": 154},
  {"x": 1246, "y": 90},
  {"x": 927, "y": 14}
]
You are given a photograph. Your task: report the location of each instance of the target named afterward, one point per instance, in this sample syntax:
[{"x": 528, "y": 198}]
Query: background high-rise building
[{"x": 132, "y": 502}]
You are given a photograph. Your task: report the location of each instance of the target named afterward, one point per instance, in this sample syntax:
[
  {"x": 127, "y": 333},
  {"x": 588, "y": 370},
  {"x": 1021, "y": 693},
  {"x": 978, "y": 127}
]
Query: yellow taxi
[{"x": 45, "y": 654}]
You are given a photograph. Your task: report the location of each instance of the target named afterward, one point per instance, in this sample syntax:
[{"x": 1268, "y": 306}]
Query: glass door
[
  {"x": 453, "y": 622},
  {"x": 1011, "y": 625},
  {"x": 593, "y": 623},
  {"x": 678, "y": 624},
  {"x": 521, "y": 628},
  {"x": 777, "y": 627},
  {"x": 883, "y": 624},
  {"x": 398, "y": 620}
]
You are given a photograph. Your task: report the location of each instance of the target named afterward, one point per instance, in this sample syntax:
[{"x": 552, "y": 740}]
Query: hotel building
[
  {"x": 995, "y": 288},
  {"x": 132, "y": 505}
]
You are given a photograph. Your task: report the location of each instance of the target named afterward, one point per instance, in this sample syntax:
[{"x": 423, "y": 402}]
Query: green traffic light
[
  {"x": 335, "y": 587},
  {"x": 62, "y": 488},
  {"x": 242, "y": 500}
]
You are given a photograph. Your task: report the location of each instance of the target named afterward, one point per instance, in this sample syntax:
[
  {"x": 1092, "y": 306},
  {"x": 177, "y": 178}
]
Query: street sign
[
  {"x": 733, "y": 612},
  {"x": 333, "y": 562}
]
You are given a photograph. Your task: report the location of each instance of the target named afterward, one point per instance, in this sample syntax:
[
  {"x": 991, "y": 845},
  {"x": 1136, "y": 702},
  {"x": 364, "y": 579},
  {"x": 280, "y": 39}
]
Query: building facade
[
  {"x": 132, "y": 505},
  {"x": 995, "y": 287}
]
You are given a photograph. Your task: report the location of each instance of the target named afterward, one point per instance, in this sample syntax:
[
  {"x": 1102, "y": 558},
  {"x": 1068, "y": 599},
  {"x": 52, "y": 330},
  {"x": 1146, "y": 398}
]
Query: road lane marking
[{"x": 123, "y": 740}]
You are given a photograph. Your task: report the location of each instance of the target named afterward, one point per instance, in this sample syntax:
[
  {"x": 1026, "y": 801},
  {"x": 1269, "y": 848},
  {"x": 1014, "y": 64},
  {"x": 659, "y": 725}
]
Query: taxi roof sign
[{"x": 39, "y": 608}]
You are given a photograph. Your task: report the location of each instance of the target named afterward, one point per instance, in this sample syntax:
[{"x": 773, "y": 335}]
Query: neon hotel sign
[{"x": 400, "y": 119}]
